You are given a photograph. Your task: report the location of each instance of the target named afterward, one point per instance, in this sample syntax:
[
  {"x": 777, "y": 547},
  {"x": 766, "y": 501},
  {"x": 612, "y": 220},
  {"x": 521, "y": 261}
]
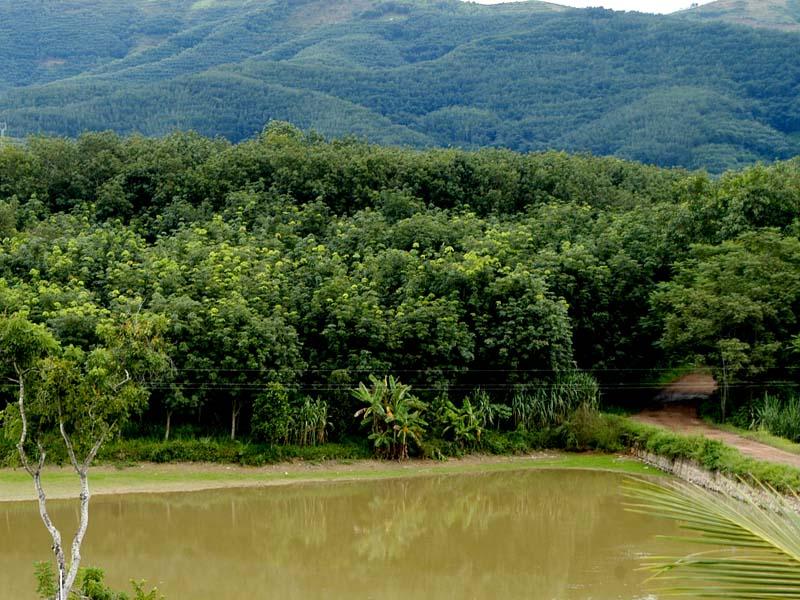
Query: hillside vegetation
[
  {"x": 526, "y": 76},
  {"x": 286, "y": 270},
  {"x": 783, "y": 15}
]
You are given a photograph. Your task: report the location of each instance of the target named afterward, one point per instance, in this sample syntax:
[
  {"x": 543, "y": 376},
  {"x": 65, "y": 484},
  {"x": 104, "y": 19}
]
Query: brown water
[{"x": 523, "y": 534}]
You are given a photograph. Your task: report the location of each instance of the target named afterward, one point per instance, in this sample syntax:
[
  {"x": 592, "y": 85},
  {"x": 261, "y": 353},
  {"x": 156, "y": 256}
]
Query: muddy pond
[{"x": 534, "y": 534}]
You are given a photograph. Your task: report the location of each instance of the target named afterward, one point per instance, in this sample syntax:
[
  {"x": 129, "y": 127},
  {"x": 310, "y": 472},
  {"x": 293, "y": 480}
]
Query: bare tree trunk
[
  {"x": 234, "y": 417},
  {"x": 36, "y": 474},
  {"x": 77, "y": 541},
  {"x": 724, "y": 397},
  {"x": 58, "y": 549},
  {"x": 169, "y": 420},
  {"x": 82, "y": 469}
]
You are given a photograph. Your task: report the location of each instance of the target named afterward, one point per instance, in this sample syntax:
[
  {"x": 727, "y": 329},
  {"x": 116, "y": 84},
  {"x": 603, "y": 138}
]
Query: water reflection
[{"x": 525, "y": 534}]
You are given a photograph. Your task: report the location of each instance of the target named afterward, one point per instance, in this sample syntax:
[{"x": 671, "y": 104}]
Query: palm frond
[{"x": 756, "y": 549}]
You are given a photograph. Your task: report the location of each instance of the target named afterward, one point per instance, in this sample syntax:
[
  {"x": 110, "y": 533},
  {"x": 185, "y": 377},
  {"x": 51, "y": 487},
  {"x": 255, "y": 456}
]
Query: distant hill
[
  {"x": 668, "y": 90},
  {"x": 783, "y": 15}
]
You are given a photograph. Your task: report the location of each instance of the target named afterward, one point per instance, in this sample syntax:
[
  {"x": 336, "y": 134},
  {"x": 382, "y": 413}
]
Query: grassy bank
[
  {"x": 613, "y": 433},
  {"x": 60, "y": 482},
  {"x": 192, "y": 464}
]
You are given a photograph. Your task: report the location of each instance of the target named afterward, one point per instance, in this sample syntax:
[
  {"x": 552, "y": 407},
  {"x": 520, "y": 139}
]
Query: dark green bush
[
  {"x": 591, "y": 430},
  {"x": 711, "y": 454},
  {"x": 340, "y": 451},
  {"x": 669, "y": 445},
  {"x": 8, "y": 452},
  {"x": 271, "y": 414}
]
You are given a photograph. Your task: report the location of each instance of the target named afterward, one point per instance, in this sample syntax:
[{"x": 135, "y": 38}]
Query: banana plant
[
  {"x": 491, "y": 414},
  {"x": 375, "y": 398},
  {"x": 408, "y": 424},
  {"x": 752, "y": 547},
  {"x": 383, "y": 442},
  {"x": 465, "y": 424},
  {"x": 393, "y": 414}
]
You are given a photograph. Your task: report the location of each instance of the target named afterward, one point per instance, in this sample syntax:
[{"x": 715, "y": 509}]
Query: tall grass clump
[
  {"x": 546, "y": 405},
  {"x": 308, "y": 424},
  {"x": 780, "y": 417},
  {"x": 298, "y": 421}
]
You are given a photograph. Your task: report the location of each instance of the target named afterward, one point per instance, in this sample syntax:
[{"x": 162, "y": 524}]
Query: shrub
[
  {"x": 90, "y": 585},
  {"x": 520, "y": 441},
  {"x": 490, "y": 414},
  {"x": 669, "y": 445},
  {"x": 271, "y": 414},
  {"x": 588, "y": 429},
  {"x": 710, "y": 454},
  {"x": 464, "y": 425},
  {"x": 8, "y": 452},
  {"x": 439, "y": 449},
  {"x": 223, "y": 451}
]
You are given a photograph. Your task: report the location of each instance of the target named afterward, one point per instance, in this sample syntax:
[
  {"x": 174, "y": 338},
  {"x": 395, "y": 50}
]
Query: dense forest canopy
[
  {"x": 302, "y": 266},
  {"x": 665, "y": 90}
]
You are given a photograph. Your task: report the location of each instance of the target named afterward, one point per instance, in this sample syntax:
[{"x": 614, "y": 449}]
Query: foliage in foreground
[
  {"x": 74, "y": 401},
  {"x": 90, "y": 585},
  {"x": 755, "y": 550}
]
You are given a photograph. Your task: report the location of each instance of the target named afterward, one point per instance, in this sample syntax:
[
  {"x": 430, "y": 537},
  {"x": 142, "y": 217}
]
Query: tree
[
  {"x": 734, "y": 306},
  {"x": 79, "y": 399},
  {"x": 733, "y": 356}
]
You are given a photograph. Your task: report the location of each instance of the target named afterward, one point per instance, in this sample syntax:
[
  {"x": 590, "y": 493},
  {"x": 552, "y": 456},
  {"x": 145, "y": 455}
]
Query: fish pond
[{"x": 534, "y": 534}]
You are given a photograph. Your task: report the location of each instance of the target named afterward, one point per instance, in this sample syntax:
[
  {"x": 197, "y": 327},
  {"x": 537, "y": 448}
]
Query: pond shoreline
[
  {"x": 715, "y": 481},
  {"x": 148, "y": 478}
]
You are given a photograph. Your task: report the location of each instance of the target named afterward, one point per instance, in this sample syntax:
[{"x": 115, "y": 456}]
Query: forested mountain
[{"x": 527, "y": 76}]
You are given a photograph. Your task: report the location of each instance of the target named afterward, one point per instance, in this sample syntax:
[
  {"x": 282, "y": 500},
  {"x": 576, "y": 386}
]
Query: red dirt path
[{"x": 679, "y": 414}]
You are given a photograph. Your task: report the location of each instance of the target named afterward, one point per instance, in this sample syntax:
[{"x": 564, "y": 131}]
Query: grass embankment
[
  {"x": 614, "y": 433},
  {"x": 60, "y": 482}
]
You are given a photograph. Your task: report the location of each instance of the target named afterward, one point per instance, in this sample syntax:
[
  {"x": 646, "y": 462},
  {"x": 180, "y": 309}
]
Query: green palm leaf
[{"x": 756, "y": 550}]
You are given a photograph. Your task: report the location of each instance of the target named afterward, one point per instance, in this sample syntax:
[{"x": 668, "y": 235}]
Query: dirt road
[{"x": 679, "y": 413}]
